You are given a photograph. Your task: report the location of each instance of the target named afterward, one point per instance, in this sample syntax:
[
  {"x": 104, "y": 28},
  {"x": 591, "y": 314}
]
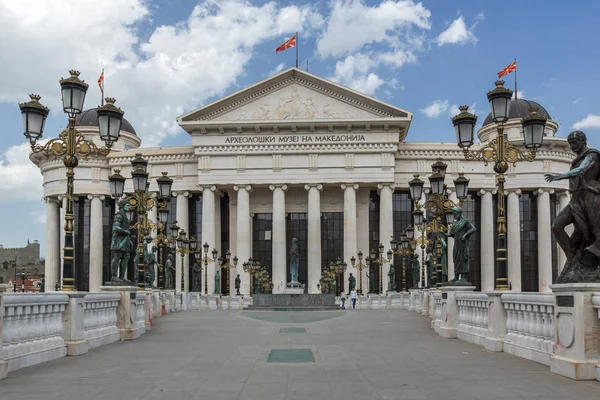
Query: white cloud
[
  {"x": 458, "y": 33},
  {"x": 277, "y": 69},
  {"x": 352, "y": 25},
  {"x": 353, "y": 72},
  {"x": 453, "y": 110},
  {"x": 591, "y": 121},
  {"x": 177, "y": 68},
  {"x": 435, "y": 109},
  {"x": 20, "y": 179},
  {"x": 577, "y": 100},
  {"x": 38, "y": 216},
  {"x": 520, "y": 93}
]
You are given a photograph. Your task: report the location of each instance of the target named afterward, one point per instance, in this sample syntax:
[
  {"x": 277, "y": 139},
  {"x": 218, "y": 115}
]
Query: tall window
[
  {"x": 402, "y": 207},
  {"x": 262, "y": 241},
  {"x": 108, "y": 216},
  {"x": 332, "y": 239},
  {"x": 195, "y": 221},
  {"x": 81, "y": 214},
  {"x": 224, "y": 239},
  {"x": 374, "y": 230},
  {"x": 529, "y": 235},
  {"x": 297, "y": 227},
  {"x": 472, "y": 211}
]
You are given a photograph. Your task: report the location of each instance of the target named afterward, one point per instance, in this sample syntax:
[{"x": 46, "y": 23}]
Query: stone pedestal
[
  {"x": 577, "y": 330},
  {"x": 126, "y": 311},
  {"x": 414, "y": 293},
  {"x": 184, "y": 301},
  {"x": 203, "y": 302},
  {"x": 148, "y": 310},
  {"x": 395, "y": 299},
  {"x": 213, "y": 301},
  {"x": 235, "y": 302},
  {"x": 363, "y": 302},
  {"x": 3, "y": 364},
  {"x": 425, "y": 302},
  {"x": 374, "y": 301},
  {"x": 496, "y": 322},
  {"x": 449, "y": 320},
  {"x": 73, "y": 325}
]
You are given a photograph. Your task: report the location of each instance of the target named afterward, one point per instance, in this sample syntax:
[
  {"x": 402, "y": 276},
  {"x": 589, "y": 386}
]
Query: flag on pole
[
  {"x": 291, "y": 42},
  {"x": 512, "y": 67},
  {"x": 101, "y": 84}
]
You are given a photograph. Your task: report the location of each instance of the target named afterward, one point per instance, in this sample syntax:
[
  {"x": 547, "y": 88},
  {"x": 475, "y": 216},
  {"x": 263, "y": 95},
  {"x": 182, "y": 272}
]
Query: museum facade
[{"x": 297, "y": 156}]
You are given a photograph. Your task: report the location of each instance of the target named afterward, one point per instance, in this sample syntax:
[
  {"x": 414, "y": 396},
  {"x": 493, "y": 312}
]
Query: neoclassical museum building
[{"x": 298, "y": 156}]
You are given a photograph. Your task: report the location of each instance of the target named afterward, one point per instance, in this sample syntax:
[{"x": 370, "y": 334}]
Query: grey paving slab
[{"x": 363, "y": 354}]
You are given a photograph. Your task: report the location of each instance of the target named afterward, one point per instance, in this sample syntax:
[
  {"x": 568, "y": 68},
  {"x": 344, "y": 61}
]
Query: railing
[
  {"x": 529, "y": 325},
  {"x": 140, "y": 311},
  {"x": 32, "y": 329},
  {"x": 472, "y": 316},
  {"x": 437, "y": 310},
  {"x": 100, "y": 318}
]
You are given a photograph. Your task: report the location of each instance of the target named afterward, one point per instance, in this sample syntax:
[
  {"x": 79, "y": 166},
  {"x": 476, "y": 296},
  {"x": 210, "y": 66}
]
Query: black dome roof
[
  {"x": 519, "y": 108},
  {"x": 90, "y": 118}
]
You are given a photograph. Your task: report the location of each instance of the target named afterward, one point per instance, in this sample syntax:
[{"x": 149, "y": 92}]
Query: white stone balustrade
[
  {"x": 140, "y": 312},
  {"x": 437, "y": 311},
  {"x": 100, "y": 318},
  {"x": 178, "y": 303},
  {"x": 472, "y": 317},
  {"x": 530, "y": 325},
  {"x": 596, "y": 305},
  {"x": 32, "y": 331}
]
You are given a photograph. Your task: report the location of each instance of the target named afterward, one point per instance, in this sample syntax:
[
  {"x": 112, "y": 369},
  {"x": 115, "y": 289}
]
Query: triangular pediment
[{"x": 294, "y": 95}]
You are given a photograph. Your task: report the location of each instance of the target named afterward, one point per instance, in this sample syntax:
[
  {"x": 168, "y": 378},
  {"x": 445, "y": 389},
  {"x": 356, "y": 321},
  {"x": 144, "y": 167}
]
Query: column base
[
  {"x": 574, "y": 369},
  {"x": 3, "y": 369},
  {"x": 130, "y": 334},
  {"x": 77, "y": 347},
  {"x": 447, "y": 333},
  {"x": 493, "y": 344}
]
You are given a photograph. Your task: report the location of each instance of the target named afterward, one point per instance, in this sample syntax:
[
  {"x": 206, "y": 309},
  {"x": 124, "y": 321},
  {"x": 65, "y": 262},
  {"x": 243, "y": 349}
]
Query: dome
[
  {"x": 519, "y": 108},
  {"x": 90, "y": 118}
]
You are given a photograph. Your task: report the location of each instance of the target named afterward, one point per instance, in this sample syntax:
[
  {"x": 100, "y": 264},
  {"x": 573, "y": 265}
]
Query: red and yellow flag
[
  {"x": 101, "y": 81},
  {"x": 512, "y": 67},
  {"x": 291, "y": 42}
]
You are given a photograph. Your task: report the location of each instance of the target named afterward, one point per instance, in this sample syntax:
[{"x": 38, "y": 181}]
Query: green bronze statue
[
  {"x": 392, "y": 278},
  {"x": 461, "y": 231},
  {"x": 238, "y": 281},
  {"x": 415, "y": 269},
  {"x": 217, "y": 282},
  {"x": 196, "y": 276},
  {"x": 151, "y": 267},
  {"x": 351, "y": 283},
  {"x": 430, "y": 267},
  {"x": 121, "y": 245},
  {"x": 371, "y": 282},
  {"x": 169, "y": 272}
]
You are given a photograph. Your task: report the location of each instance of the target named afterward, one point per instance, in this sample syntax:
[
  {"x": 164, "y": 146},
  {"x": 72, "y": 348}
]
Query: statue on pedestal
[
  {"x": 169, "y": 273},
  {"x": 430, "y": 267},
  {"x": 392, "y": 278},
  {"x": 217, "y": 282},
  {"x": 582, "y": 248},
  {"x": 255, "y": 284},
  {"x": 294, "y": 260},
  {"x": 151, "y": 266},
  {"x": 196, "y": 276},
  {"x": 351, "y": 283},
  {"x": 371, "y": 281},
  {"x": 461, "y": 231},
  {"x": 238, "y": 281},
  {"x": 416, "y": 269},
  {"x": 121, "y": 245}
]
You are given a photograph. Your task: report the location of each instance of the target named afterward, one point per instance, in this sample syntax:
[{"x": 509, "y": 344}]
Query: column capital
[
  {"x": 238, "y": 187},
  {"x": 212, "y": 188},
  {"x": 391, "y": 185},
  {"x": 543, "y": 190},
  {"x": 282, "y": 186},
  {"x": 184, "y": 193},
  {"x": 99, "y": 196},
  {"x": 318, "y": 186},
  {"x": 354, "y": 186},
  {"x": 50, "y": 199},
  {"x": 484, "y": 191},
  {"x": 513, "y": 191}
]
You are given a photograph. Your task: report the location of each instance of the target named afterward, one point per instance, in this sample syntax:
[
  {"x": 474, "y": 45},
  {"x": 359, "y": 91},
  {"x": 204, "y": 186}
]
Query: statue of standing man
[
  {"x": 121, "y": 244},
  {"x": 294, "y": 260},
  {"x": 461, "y": 231}
]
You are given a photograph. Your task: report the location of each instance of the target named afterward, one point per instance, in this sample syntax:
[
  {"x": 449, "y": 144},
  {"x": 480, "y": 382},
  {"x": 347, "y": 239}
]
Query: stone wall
[{"x": 27, "y": 257}]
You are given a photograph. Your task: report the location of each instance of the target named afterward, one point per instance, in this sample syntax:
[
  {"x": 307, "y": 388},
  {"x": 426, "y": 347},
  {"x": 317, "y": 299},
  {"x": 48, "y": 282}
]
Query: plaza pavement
[{"x": 361, "y": 354}]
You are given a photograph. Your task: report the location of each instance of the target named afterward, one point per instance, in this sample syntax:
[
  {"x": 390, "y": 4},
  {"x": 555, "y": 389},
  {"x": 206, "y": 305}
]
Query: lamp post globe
[
  {"x": 464, "y": 127},
  {"x": 73, "y": 92},
  {"x": 416, "y": 187},
  {"x": 461, "y": 184},
  {"x": 34, "y": 116},
  {"x": 164, "y": 186},
  {"x": 117, "y": 184},
  {"x": 109, "y": 121},
  {"x": 499, "y": 99},
  {"x": 533, "y": 129}
]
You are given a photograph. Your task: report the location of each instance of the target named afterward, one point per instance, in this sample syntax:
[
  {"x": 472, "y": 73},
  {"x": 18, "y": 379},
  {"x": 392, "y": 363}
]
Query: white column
[
  {"x": 487, "y": 241},
  {"x": 233, "y": 240},
  {"x": 243, "y": 227},
  {"x": 96, "y": 245},
  {"x": 61, "y": 234},
  {"x": 350, "y": 239},
  {"x": 314, "y": 236},
  {"x": 280, "y": 267},
  {"x": 513, "y": 228},
  {"x": 450, "y": 241},
  {"x": 208, "y": 232},
  {"x": 153, "y": 216},
  {"x": 183, "y": 222},
  {"x": 52, "y": 264},
  {"x": 362, "y": 220},
  {"x": 386, "y": 228},
  {"x": 423, "y": 254},
  {"x": 563, "y": 200},
  {"x": 544, "y": 240}
]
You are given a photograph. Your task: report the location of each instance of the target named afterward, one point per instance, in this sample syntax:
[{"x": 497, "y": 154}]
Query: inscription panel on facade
[{"x": 293, "y": 139}]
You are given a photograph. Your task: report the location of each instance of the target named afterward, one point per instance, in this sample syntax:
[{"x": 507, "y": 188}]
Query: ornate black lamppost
[
  {"x": 71, "y": 145},
  {"x": 225, "y": 264},
  {"x": 377, "y": 259},
  {"x": 501, "y": 152},
  {"x": 205, "y": 260},
  {"x": 360, "y": 266},
  {"x": 252, "y": 267}
]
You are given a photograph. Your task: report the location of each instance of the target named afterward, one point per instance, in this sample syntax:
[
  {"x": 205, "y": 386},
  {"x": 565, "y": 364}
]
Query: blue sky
[{"x": 164, "y": 58}]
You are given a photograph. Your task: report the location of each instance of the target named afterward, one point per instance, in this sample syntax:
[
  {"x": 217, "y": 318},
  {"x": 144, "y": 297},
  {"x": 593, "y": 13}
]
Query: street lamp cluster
[
  {"x": 256, "y": 272},
  {"x": 405, "y": 248},
  {"x": 71, "y": 145},
  {"x": 501, "y": 152}
]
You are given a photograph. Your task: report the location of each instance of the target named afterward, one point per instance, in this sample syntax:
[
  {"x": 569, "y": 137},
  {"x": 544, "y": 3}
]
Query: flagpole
[
  {"x": 297, "y": 49},
  {"x": 516, "y": 93}
]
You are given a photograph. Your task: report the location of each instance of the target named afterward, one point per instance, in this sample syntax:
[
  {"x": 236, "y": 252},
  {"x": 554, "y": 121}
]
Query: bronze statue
[
  {"x": 415, "y": 268},
  {"x": 461, "y": 231},
  {"x": 121, "y": 245},
  {"x": 196, "y": 276},
  {"x": 583, "y": 247},
  {"x": 294, "y": 260},
  {"x": 151, "y": 265},
  {"x": 430, "y": 267},
  {"x": 238, "y": 281},
  {"x": 392, "y": 278},
  {"x": 351, "y": 283},
  {"x": 371, "y": 281},
  {"x": 169, "y": 272},
  {"x": 217, "y": 282}
]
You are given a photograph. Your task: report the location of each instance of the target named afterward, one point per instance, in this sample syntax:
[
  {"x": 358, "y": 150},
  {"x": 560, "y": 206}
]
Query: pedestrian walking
[{"x": 353, "y": 297}]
